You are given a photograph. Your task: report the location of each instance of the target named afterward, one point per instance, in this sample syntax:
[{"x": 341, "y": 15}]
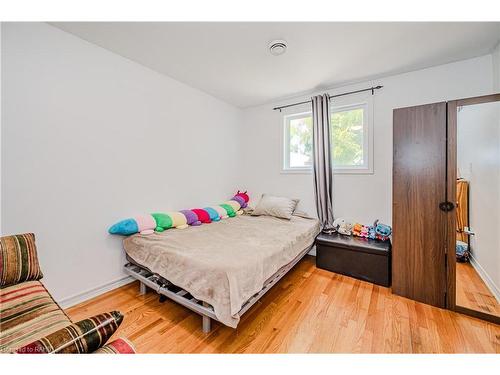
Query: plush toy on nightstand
[
  {"x": 383, "y": 232},
  {"x": 356, "y": 229},
  {"x": 364, "y": 231},
  {"x": 371, "y": 231},
  {"x": 342, "y": 226}
]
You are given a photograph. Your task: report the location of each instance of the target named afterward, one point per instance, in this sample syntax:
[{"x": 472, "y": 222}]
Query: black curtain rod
[{"x": 372, "y": 89}]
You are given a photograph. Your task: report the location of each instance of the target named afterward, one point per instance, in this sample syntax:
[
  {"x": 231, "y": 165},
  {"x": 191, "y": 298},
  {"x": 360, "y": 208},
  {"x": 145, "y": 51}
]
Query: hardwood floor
[
  {"x": 309, "y": 310},
  {"x": 472, "y": 292}
]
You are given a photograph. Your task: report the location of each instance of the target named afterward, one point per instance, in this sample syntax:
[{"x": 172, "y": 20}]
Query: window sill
[
  {"x": 296, "y": 171},
  {"x": 335, "y": 171},
  {"x": 353, "y": 171}
]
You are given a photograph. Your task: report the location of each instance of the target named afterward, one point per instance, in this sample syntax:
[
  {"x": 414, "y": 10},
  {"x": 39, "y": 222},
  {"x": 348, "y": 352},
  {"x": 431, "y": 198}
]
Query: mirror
[{"x": 478, "y": 208}]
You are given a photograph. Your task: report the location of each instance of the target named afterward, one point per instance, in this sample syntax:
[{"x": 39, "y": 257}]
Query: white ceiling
[{"x": 231, "y": 61}]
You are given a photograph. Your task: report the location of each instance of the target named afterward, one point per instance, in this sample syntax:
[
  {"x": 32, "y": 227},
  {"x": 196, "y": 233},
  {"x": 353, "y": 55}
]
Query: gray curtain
[{"x": 322, "y": 161}]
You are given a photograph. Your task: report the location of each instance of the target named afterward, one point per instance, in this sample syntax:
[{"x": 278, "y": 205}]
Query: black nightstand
[{"x": 362, "y": 258}]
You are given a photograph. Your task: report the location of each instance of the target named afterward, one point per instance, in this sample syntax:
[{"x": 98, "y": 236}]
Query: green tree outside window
[{"x": 346, "y": 132}]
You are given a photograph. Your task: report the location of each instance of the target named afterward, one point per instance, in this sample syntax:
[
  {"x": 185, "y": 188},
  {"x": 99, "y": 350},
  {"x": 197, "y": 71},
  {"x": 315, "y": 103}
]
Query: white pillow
[{"x": 270, "y": 205}]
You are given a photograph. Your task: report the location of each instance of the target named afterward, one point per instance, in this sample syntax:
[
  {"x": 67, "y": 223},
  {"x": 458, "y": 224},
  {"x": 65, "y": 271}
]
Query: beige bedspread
[{"x": 227, "y": 262}]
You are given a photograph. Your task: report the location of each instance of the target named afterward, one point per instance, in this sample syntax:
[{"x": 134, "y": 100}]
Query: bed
[{"x": 220, "y": 270}]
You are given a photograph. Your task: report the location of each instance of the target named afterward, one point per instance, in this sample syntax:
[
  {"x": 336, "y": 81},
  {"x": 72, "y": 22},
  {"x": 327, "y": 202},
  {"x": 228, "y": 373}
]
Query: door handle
[{"x": 446, "y": 206}]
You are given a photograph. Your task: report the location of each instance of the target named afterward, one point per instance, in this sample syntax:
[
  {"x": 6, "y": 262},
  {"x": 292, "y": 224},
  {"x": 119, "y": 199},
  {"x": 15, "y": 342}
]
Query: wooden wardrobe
[{"x": 426, "y": 221}]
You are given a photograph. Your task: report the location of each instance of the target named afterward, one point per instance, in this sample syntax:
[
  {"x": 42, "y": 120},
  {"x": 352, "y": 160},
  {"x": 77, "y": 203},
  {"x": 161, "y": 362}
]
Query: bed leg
[
  {"x": 142, "y": 289},
  {"x": 206, "y": 324}
]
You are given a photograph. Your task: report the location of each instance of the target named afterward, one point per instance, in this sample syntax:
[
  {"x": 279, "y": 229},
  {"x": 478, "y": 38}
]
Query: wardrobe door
[{"x": 419, "y": 186}]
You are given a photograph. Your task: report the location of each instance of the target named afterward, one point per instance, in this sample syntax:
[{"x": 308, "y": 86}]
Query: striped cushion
[
  {"x": 118, "y": 346},
  {"x": 85, "y": 336},
  {"x": 18, "y": 259},
  {"x": 27, "y": 312}
]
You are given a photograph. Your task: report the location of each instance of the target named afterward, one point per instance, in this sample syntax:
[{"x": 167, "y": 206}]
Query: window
[
  {"x": 349, "y": 138},
  {"x": 350, "y": 132},
  {"x": 298, "y": 139}
]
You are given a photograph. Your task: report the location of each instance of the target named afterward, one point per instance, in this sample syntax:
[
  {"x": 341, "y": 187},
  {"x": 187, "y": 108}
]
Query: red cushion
[
  {"x": 118, "y": 346},
  {"x": 203, "y": 215}
]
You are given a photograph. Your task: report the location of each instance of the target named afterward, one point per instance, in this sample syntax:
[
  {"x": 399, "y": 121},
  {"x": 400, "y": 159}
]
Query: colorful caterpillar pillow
[{"x": 147, "y": 224}]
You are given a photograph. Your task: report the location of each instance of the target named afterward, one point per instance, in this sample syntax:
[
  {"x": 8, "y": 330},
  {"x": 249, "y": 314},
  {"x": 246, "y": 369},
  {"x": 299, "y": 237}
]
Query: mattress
[{"x": 224, "y": 263}]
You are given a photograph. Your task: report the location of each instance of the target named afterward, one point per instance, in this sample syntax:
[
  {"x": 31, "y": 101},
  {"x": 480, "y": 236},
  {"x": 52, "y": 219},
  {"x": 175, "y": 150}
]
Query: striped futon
[
  {"x": 27, "y": 313},
  {"x": 118, "y": 346},
  {"x": 30, "y": 319}
]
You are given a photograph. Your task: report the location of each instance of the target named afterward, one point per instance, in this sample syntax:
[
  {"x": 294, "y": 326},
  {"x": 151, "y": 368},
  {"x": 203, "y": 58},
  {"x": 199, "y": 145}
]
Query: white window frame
[
  {"x": 285, "y": 161},
  {"x": 338, "y": 106}
]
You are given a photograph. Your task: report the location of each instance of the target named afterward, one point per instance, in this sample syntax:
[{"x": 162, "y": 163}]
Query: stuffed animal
[
  {"x": 240, "y": 200},
  {"x": 222, "y": 212},
  {"x": 214, "y": 215},
  {"x": 342, "y": 226},
  {"x": 235, "y": 206},
  {"x": 144, "y": 224},
  {"x": 179, "y": 221},
  {"x": 364, "y": 231},
  {"x": 230, "y": 211},
  {"x": 337, "y": 222},
  {"x": 203, "y": 215},
  {"x": 147, "y": 224},
  {"x": 371, "y": 232},
  {"x": 163, "y": 221},
  {"x": 356, "y": 229},
  {"x": 191, "y": 217},
  {"x": 159, "y": 221},
  {"x": 244, "y": 196},
  {"x": 383, "y": 231}
]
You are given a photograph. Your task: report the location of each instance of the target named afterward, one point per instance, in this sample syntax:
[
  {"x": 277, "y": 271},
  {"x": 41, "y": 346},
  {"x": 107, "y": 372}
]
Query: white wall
[
  {"x": 1, "y": 101},
  {"x": 496, "y": 68},
  {"x": 90, "y": 138},
  {"x": 478, "y": 161},
  {"x": 357, "y": 197}
]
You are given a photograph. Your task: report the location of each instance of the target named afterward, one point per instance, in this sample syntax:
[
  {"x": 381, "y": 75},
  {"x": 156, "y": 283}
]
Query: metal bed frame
[{"x": 165, "y": 288}]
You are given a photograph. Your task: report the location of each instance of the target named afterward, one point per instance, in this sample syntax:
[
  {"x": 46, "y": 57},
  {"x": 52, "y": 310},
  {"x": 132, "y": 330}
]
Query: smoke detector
[{"x": 277, "y": 47}]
